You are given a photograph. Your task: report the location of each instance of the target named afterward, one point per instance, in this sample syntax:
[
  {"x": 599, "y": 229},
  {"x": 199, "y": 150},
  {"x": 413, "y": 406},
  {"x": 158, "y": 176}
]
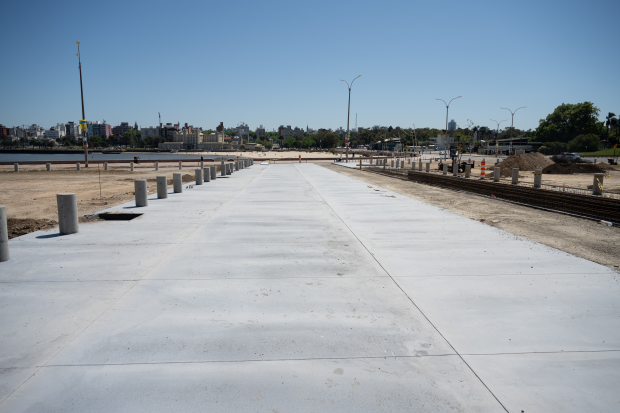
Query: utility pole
[
  {"x": 84, "y": 138},
  {"x": 349, "y": 113}
]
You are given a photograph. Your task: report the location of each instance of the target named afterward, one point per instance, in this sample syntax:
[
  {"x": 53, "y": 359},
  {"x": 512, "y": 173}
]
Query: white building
[
  {"x": 260, "y": 133},
  {"x": 53, "y": 133},
  {"x": 150, "y": 131},
  {"x": 35, "y": 131}
]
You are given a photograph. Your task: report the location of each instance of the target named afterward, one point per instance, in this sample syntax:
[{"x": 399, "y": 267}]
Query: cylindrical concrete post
[
  {"x": 198, "y": 175},
  {"x": 78, "y": 166},
  {"x": 236, "y": 166},
  {"x": 67, "y": 213},
  {"x": 4, "y": 236},
  {"x": 455, "y": 168},
  {"x": 228, "y": 169},
  {"x": 597, "y": 184},
  {"x": 467, "y": 170},
  {"x": 180, "y": 165},
  {"x": 537, "y": 178},
  {"x": 214, "y": 172},
  {"x": 202, "y": 165},
  {"x": 496, "y": 174},
  {"x": 428, "y": 166},
  {"x": 48, "y": 166},
  {"x": 157, "y": 166},
  {"x": 131, "y": 166},
  {"x": 105, "y": 166},
  {"x": 162, "y": 187},
  {"x": 141, "y": 193},
  {"x": 223, "y": 168},
  {"x": 402, "y": 164},
  {"x": 515, "y": 176},
  {"x": 420, "y": 165},
  {"x": 177, "y": 183},
  {"x": 16, "y": 167},
  {"x": 445, "y": 169},
  {"x": 206, "y": 174}
]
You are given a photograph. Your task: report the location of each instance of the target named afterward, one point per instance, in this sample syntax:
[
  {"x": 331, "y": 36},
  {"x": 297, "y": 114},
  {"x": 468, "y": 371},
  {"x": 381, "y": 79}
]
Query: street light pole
[
  {"x": 447, "y": 108},
  {"x": 84, "y": 142},
  {"x": 348, "y": 113},
  {"x": 496, "y": 133},
  {"x": 512, "y": 124}
]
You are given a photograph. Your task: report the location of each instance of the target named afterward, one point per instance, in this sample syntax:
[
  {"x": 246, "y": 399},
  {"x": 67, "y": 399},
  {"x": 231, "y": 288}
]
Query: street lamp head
[
  {"x": 78, "y": 43},
  {"x": 360, "y": 76}
]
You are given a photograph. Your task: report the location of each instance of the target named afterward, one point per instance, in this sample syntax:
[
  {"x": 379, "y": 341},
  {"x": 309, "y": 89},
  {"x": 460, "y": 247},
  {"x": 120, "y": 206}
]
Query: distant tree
[
  {"x": 34, "y": 143},
  {"x": 567, "y": 122},
  {"x": 584, "y": 143},
  {"x": 610, "y": 120}
]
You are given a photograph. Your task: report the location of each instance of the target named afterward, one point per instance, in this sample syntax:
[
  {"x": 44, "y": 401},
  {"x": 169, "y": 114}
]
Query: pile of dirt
[
  {"x": 525, "y": 162},
  {"x": 18, "y": 227},
  {"x": 577, "y": 168}
]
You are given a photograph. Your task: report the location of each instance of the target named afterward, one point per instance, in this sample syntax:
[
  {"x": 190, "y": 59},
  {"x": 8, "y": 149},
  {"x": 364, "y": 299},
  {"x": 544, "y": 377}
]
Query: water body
[{"x": 25, "y": 157}]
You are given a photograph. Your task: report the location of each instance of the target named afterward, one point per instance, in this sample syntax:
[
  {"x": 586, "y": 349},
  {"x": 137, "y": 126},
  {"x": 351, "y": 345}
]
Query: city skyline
[{"x": 404, "y": 65}]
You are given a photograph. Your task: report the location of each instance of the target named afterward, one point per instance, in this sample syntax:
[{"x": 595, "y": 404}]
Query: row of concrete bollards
[
  {"x": 78, "y": 166},
  {"x": 68, "y": 209}
]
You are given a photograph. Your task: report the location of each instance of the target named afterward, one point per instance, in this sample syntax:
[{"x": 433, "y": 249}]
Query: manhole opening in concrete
[{"x": 118, "y": 217}]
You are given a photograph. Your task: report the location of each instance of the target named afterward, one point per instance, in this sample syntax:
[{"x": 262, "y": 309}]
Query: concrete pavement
[{"x": 291, "y": 287}]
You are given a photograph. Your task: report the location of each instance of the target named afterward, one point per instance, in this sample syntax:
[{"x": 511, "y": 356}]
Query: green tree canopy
[
  {"x": 584, "y": 143},
  {"x": 567, "y": 122}
]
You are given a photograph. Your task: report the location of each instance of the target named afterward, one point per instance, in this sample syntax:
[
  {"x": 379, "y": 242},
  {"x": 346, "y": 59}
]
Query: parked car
[{"x": 570, "y": 156}]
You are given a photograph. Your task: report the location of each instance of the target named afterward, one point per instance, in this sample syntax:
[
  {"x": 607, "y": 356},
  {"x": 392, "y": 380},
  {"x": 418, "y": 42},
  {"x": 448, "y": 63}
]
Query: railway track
[{"x": 596, "y": 207}]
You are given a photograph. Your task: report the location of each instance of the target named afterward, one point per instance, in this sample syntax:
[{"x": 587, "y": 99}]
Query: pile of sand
[
  {"x": 525, "y": 162},
  {"x": 577, "y": 168}
]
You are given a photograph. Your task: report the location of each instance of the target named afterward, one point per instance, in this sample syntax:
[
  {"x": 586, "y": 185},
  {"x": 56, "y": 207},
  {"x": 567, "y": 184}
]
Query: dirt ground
[
  {"x": 583, "y": 238},
  {"x": 30, "y": 195}
]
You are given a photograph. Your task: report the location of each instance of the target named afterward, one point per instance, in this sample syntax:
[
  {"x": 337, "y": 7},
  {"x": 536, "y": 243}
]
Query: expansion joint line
[{"x": 403, "y": 291}]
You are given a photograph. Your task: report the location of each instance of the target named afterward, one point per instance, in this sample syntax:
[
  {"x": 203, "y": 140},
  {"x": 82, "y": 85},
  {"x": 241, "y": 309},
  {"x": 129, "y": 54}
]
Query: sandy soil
[
  {"x": 31, "y": 193},
  {"x": 580, "y": 237}
]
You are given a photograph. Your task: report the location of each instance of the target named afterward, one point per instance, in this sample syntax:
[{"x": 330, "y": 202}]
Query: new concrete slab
[{"x": 292, "y": 287}]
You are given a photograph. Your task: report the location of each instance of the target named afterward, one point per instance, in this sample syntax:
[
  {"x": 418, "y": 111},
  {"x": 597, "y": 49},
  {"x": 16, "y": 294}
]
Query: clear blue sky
[{"x": 279, "y": 62}]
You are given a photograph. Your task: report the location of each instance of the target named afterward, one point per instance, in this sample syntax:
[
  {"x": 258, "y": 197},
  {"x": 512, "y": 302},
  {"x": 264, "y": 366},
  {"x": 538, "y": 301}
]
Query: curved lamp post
[
  {"x": 447, "y": 108},
  {"x": 348, "y": 112},
  {"x": 84, "y": 142},
  {"x": 497, "y": 132},
  {"x": 512, "y": 126}
]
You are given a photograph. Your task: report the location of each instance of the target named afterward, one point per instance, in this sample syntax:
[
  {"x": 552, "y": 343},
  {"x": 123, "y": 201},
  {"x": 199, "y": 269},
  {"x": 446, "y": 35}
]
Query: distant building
[
  {"x": 243, "y": 131},
  {"x": 288, "y": 132},
  {"x": 102, "y": 130},
  {"x": 17, "y": 132},
  {"x": 452, "y": 125},
  {"x": 121, "y": 129},
  {"x": 220, "y": 128},
  {"x": 149, "y": 132},
  {"x": 72, "y": 129},
  {"x": 52, "y": 133},
  {"x": 260, "y": 133},
  {"x": 168, "y": 130},
  {"x": 189, "y": 136},
  {"x": 4, "y": 131}
]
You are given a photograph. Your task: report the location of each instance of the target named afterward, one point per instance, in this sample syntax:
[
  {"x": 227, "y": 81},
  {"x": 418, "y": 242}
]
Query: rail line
[{"x": 597, "y": 207}]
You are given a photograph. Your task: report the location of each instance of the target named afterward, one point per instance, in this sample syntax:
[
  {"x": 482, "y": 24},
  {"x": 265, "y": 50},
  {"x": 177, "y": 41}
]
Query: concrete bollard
[
  {"x": 223, "y": 168},
  {"x": 402, "y": 164},
  {"x": 177, "y": 183},
  {"x": 392, "y": 163},
  {"x": 537, "y": 178},
  {"x": 180, "y": 165},
  {"x": 141, "y": 193},
  {"x": 214, "y": 172},
  {"x": 467, "y": 170},
  {"x": 4, "y": 236},
  {"x": 16, "y": 167},
  {"x": 445, "y": 169},
  {"x": 597, "y": 184},
  {"x": 105, "y": 166},
  {"x": 157, "y": 166},
  {"x": 236, "y": 166},
  {"x": 206, "y": 174},
  {"x": 428, "y": 166},
  {"x": 420, "y": 165},
  {"x": 162, "y": 187},
  {"x": 78, "y": 166},
  {"x": 515, "y": 176},
  {"x": 131, "y": 166},
  {"x": 455, "y": 169},
  {"x": 496, "y": 174},
  {"x": 67, "y": 214},
  {"x": 228, "y": 169},
  {"x": 48, "y": 166},
  {"x": 202, "y": 165},
  {"x": 198, "y": 175}
]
